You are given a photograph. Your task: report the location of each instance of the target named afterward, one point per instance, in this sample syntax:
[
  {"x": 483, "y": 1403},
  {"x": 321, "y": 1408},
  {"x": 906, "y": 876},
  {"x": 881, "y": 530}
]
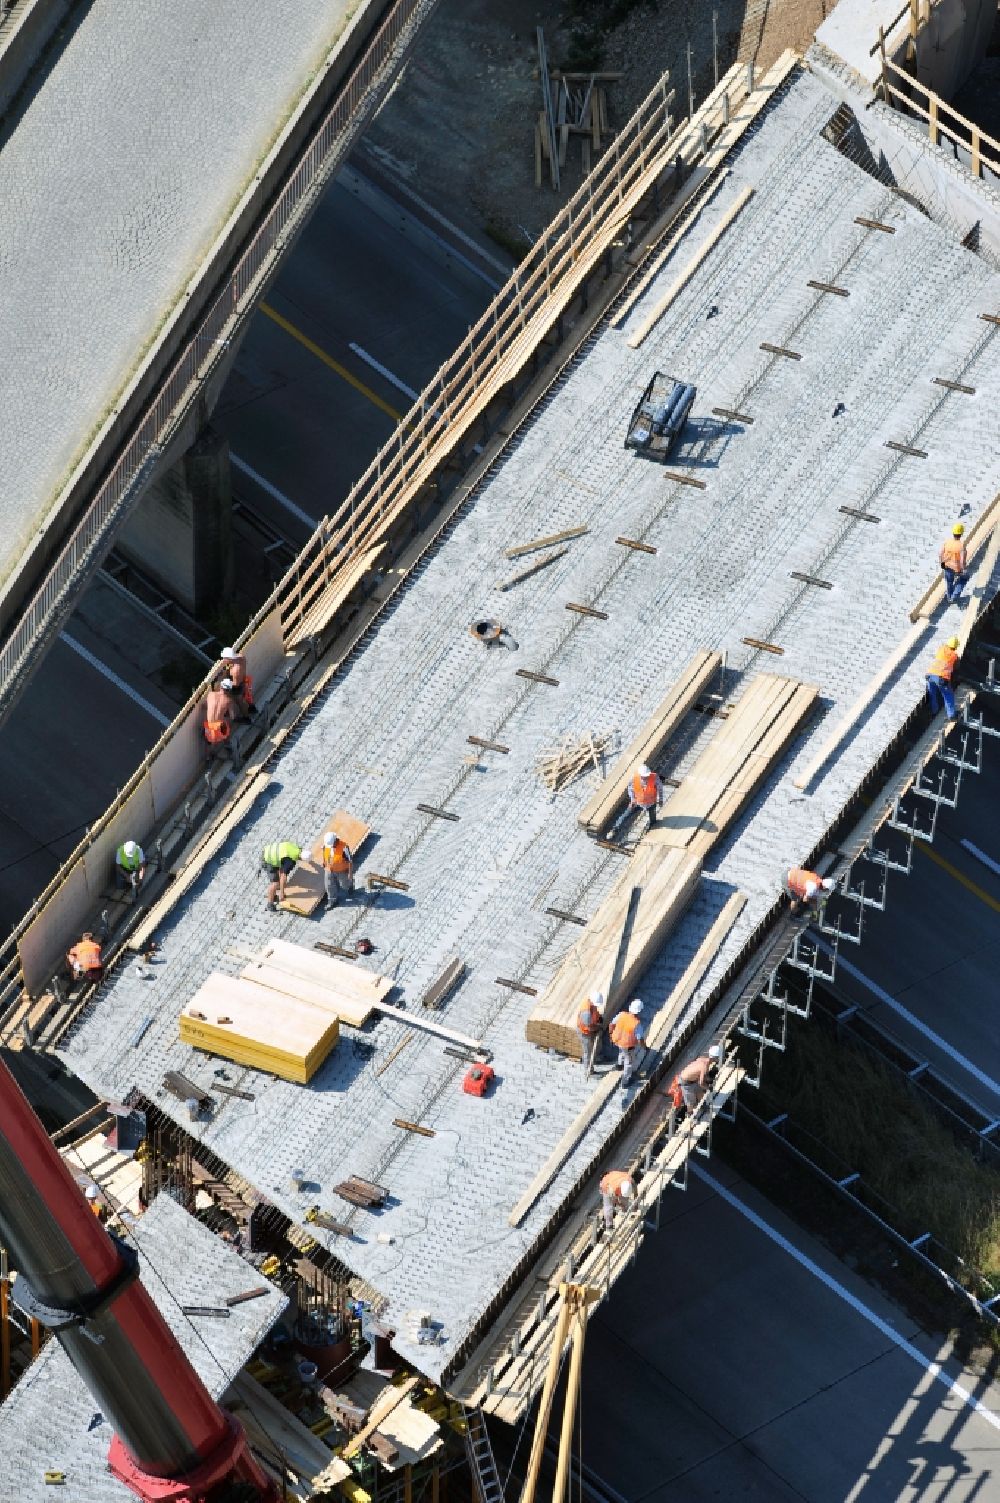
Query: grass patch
[
  {"x": 514, "y": 245},
  {"x": 876, "y": 1125}
]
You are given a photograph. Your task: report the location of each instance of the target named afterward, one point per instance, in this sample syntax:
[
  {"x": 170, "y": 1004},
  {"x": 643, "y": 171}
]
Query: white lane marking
[
  {"x": 113, "y": 678},
  {"x": 914, "y": 1022},
  {"x": 974, "y": 850},
  {"x": 385, "y": 373},
  {"x": 933, "y": 1368},
  {"x": 273, "y": 491}
]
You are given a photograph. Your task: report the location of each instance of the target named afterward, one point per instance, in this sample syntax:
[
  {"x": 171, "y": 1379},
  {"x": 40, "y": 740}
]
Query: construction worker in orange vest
[
  {"x": 939, "y": 676},
  {"x": 617, "y": 1194},
  {"x": 84, "y": 959},
  {"x": 234, "y": 666},
  {"x": 645, "y": 791},
  {"x": 955, "y": 563},
  {"x": 220, "y": 710},
  {"x": 590, "y": 1026},
  {"x": 694, "y": 1079},
  {"x": 627, "y": 1034},
  {"x": 806, "y": 889},
  {"x": 338, "y": 869},
  {"x": 95, "y": 1203}
]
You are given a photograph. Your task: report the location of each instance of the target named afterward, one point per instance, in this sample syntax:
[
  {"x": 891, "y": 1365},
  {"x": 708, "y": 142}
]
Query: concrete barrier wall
[
  {"x": 952, "y": 43},
  {"x": 24, "y": 38}
]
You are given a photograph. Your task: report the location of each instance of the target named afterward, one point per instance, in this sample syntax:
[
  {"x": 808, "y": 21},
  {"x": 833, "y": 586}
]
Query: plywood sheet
[
  {"x": 134, "y": 821},
  {"x": 251, "y": 1025},
  {"x": 349, "y": 1010},
  {"x": 306, "y": 888},
  {"x": 609, "y": 799},
  {"x": 265, "y": 651},
  {"x": 59, "y": 925},
  {"x": 619, "y": 932},
  {"x": 177, "y": 763}
]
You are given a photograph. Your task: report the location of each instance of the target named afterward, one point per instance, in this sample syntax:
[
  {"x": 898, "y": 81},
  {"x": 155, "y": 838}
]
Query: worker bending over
[
  {"x": 338, "y": 869},
  {"x": 939, "y": 677},
  {"x": 220, "y": 712},
  {"x": 130, "y": 865},
  {"x": 627, "y": 1035},
  {"x": 95, "y": 1203},
  {"x": 278, "y": 860},
  {"x": 955, "y": 563},
  {"x": 590, "y": 1026},
  {"x": 807, "y": 889},
  {"x": 617, "y": 1193},
  {"x": 695, "y": 1078},
  {"x": 645, "y": 792},
  {"x": 84, "y": 959},
  {"x": 234, "y": 666}
]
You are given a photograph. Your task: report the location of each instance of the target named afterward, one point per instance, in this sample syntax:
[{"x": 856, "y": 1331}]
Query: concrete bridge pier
[{"x": 181, "y": 531}]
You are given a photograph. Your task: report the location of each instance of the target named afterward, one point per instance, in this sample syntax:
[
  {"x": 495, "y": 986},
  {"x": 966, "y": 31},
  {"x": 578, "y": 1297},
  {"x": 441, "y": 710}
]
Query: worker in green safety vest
[
  {"x": 278, "y": 860},
  {"x": 130, "y": 865}
]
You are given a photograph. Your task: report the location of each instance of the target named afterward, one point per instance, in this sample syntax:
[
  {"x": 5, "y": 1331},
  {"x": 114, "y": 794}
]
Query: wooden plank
[
  {"x": 522, "y": 574},
  {"x": 388, "y": 1400},
  {"x": 672, "y": 1007},
  {"x": 238, "y": 1020},
  {"x": 444, "y": 983},
  {"x": 610, "y": 798},
  {"x": 652, "y": 318},
  {"x": 976, "y": 538},
  {"x": 666, "y": 881},
  {"x": 347, "y": 577},
  {"x": 417, "y": 1127},
  {"x": 199, "y": 859},
  {"x": 546, "y": 542},
  {"x": 780, "y": 349},
  {"x": 281, "y": 983},
  {"x": 707, "y": 191},
  {"x": 867, "y": 696},
  {"x": 306, "y": 887}
]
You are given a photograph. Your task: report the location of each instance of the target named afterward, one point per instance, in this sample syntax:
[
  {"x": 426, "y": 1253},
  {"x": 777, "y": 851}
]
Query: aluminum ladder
[{"x": 482, "y": 1462}]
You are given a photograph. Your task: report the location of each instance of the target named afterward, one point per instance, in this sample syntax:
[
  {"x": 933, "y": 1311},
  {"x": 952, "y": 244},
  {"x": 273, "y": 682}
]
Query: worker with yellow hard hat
[
  {"x": 955, "y": 564},
  {"x": 939, "y": 677}
]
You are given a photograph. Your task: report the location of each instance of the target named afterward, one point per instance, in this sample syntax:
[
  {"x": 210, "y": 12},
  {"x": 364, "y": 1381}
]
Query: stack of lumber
[
  {"x": 573, "y": 104},
  {"x": 734, "y": 764},
  {"x": 253, "y": 1026},
  {"x": 571, "y": 760},
  {"x": 306, "y": 888},
  {"x": 609, "y": 800},
  {"x": 339, "y": 987},
  {"x": 619, "y": 943}
]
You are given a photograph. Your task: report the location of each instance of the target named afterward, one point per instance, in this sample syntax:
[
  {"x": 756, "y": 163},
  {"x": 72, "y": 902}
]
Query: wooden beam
[
  {"x": 674, "y": 1004},
  {"x": 389, "y": 1399},
  {"x": 708, "y": 191},
  {"x": 546, "y": 542},
  {"x": 534, "y": 568},
  {"x": 652, "y": 318}
]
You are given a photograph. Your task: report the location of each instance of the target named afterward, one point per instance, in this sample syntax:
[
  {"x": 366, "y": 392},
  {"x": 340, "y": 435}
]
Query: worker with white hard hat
[
  {"x": 645, "y": 791},
  {"x": 590, "y": 1027},
  {"x": 95, "y": 1203},
  {"x": 338, "y": 869},
  {"x": 130, "y": 865},
  {"x": 696, "y": 1077},
  {"x": 220, "y": 712},
  {"x": 234, "y": 667},
  {"x": 617, "y": 1194},
  {"x": 954, "y": 559},
  {"x": 628, "y": 1035},
  {"x": 807, "y": 889}
]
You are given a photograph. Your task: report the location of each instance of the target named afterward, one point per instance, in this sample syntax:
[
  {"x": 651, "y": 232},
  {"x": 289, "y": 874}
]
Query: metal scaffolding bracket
[
  {"x": 961, "y": 759},
  {"x": 913, "y": 830},
  {"x": 858, "y": 894},
  {"x": 886, "y": 861},
  {"x": 938, "y": 795}
]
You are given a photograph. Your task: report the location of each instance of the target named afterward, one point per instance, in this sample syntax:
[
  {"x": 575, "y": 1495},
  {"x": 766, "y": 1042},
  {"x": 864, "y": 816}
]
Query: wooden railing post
[
  {"x": 886, "y": 98},
  {"x": 976, "y": 164},
  {"x": 932, "y": 118}
]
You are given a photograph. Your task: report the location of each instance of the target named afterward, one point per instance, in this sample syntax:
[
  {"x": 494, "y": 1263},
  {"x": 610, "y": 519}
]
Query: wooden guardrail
[{"x": 907, "y": 94}]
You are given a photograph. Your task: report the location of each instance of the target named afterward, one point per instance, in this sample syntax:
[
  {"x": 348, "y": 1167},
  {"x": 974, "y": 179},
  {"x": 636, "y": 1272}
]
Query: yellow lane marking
[
  {"x": 953, "y": 871},
  {"x": 328, "y": 360}
]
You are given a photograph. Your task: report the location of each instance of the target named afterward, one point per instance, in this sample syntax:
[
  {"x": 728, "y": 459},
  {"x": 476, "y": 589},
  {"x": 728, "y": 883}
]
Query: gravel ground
[{"x": 459, "y": 126}]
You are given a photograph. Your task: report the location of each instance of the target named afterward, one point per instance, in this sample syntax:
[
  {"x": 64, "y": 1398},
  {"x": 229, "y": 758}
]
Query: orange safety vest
[
  {"x": 944, "y": 662},
  {"x": 86, "y": 954},
  {"x": 216, "y": 731},
  {"x": 589, "y": 1020},
  {"x": 953, "y": 555},
  {"x": 799, "y": 879},
  {"x": 644, "y": 790},
  {"x": 612, "y": 1182},
  {"x": 336, "y": 857},
  {"x": 624, "y": 1030}
]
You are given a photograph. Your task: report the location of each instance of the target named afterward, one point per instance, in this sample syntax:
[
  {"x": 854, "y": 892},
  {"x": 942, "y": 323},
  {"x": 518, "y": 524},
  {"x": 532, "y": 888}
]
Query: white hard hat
[
  {"x": 329, "y": 838},
  {"x": 229, "y": 654},
  {"x": 130, "y": 847},
  {"x": 812, "y": 888},
  {"x": 828, "y": 884},
  {"x": 714, "y": 1051},
  {"x": 227, "y": 684},
  {"x": 598, "y": 999},
  {"x": 91, "y": 1192},
  {"x": 645, "y": 770},
  {"x": 635, "y": 1007},
  {"x": 626, "y": 1189}
]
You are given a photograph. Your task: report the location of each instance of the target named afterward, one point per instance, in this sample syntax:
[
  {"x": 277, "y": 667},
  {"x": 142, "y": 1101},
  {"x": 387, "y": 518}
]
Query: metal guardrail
[{"x": 81, "y": 552}]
